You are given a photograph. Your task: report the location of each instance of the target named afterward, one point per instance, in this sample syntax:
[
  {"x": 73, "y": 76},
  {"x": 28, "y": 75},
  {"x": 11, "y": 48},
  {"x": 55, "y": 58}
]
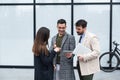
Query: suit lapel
[
  {"x": 64, "y": 39},
  {"x": 54, "y": 40},
  {"x": 85, "y": 39}
]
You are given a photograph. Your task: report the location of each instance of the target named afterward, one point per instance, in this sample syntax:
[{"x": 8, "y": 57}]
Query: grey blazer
[{"x": 66, "y": 65}]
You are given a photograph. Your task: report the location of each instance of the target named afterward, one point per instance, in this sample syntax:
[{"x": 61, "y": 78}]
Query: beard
[
  {"x": 80, "y": 33},
  {"x": 61, "y": 32}
]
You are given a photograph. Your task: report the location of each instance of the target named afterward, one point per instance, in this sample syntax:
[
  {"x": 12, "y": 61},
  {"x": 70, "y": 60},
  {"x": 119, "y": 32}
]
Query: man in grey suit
[{"x": 63, "y": 61}]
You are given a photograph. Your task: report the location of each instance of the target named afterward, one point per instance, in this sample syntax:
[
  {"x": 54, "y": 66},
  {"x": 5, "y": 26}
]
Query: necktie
[{"x": 80, "y": 39}]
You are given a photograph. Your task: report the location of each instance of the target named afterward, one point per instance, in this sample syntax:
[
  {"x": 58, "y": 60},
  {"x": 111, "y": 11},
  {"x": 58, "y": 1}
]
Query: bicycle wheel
[{"x": 107, "y": 64}]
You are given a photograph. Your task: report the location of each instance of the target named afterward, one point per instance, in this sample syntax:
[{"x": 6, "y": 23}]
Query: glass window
[
  {"x": 116, "y": 23},
  {"x": 48, "y": 15},
  {"x": 97, "y": 17},
  {"x": 92, "y": 1},
  {"x": 116, "y": 0},
  {"x": 16, "y": 1},
  {"x": 16, "y": 35},
  {"x": 53, "y": 1}
]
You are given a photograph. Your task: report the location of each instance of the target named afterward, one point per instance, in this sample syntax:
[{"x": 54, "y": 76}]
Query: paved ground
[{"x": 28, "y": 74}]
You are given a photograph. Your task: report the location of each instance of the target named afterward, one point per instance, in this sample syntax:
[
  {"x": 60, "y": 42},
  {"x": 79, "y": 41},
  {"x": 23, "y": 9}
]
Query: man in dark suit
[{"x": 63, "y": 62}]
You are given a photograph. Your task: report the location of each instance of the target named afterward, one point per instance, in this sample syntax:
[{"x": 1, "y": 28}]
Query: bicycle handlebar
[{"x": 115, "y": 43}]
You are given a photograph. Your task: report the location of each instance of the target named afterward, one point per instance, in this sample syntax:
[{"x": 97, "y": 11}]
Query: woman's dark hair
[
  {"x": 40, "y": 42},
  {"x": 81, "y": 23}
]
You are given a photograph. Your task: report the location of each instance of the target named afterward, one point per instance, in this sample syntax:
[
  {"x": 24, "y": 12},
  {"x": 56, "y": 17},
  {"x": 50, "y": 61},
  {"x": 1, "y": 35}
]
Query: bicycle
[{"x": 109, "y": 61}]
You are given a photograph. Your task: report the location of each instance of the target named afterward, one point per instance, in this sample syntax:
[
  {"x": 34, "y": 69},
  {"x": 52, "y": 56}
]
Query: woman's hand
[
  {"x": 54, "y": 67},
  {"x": 57, "y": 49}
]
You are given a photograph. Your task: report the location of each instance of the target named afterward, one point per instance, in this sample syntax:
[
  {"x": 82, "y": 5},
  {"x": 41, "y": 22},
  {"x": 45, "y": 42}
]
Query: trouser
[
  {"x": 57, "y": 77},
  {"x": 86, "y": 77}
]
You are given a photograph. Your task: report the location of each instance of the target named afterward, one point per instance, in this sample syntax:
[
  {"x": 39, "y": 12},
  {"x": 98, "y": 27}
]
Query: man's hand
[
  {"x": 68, "y": 55},
  {"x": 54, "y": 46},
  {"x": 80, "y": 58}
]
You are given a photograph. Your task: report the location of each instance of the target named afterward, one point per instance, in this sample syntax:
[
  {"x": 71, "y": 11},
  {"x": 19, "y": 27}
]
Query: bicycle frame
[
  {"x": 111, "y": 59},
  {"x": 115, "y": 51}
]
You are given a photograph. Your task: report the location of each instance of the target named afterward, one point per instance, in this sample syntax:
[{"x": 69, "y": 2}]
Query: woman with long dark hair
[{"x": 43, "y": 58}]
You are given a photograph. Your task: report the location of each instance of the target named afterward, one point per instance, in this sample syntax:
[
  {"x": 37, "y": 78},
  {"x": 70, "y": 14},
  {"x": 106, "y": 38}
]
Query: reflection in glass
[
  {"x": 16, "y": 32},
  {"x": 97, "y": 17}
]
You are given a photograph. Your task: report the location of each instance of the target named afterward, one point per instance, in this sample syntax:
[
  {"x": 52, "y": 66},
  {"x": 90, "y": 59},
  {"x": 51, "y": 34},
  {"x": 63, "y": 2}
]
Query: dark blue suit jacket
[{"x": 44, "y": 66}]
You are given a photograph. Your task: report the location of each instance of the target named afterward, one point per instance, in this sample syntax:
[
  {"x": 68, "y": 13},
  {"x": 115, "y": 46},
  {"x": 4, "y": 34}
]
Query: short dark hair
[
  {"x": 82, "y": 23},
  {"x": 61, "y": 21}
]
